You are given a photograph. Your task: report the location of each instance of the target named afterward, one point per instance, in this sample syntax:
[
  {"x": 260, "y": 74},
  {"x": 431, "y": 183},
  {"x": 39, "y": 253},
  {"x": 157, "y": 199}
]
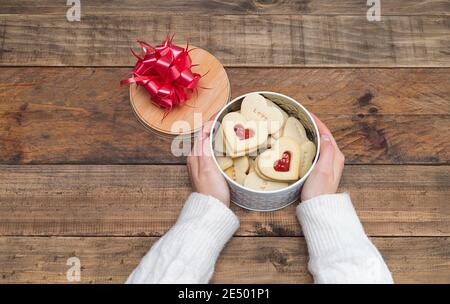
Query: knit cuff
[
  {"x": 209, "y": 221},
  {"x": 329, "y": 222},
  {"x": 216, "y": 218}
]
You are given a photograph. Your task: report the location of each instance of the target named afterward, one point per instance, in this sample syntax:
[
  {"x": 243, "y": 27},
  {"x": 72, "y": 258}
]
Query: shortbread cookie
[
  {"x": 282, "y": 161},
  {"x": 242, "y": 136},
  {"x": 231, "y": 173},
  {"x": 261, "y": 148},
  {"x": 253, "y": 181},
  {"x": 294, "y": 129},
  {"x": 251, "y": 165},
  {"x": 224, "y": 162},
  {"x": 257, "y": 108},
  {"x": 254, "y": 153},
  {"x": 251, "y": 152},
  {"x": 278, "y": 134},
  {"x": 264, "y": 145},
  {"x": 285, "y": 115},
  {"x": 241, "y": 165},
  {"x": 238, "y": 170},
  {"x": 256, "y": 169},
  {"x": 219, "y": 143},
  {"x": 307, "y": 154},
  {"x": 271, "y": 141}
]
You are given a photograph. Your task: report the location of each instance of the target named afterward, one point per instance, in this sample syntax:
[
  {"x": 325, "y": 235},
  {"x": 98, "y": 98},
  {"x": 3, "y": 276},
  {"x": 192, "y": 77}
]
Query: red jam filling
[
  {"x": 282, "y": 165},
  {"x": 243, "y": 133}
]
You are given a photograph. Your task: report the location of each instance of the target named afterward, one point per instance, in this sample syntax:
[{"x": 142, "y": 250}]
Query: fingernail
[{"x": 326, "y": 137}]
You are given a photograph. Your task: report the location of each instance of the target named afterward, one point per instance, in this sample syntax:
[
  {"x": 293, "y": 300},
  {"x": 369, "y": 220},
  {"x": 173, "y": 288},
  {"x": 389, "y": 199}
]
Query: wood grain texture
[
  {"x": 244, "y": 260},
  {"x": 109, "y": 216},
  {"x": 236, "y": 40},
  {"x": 380, "y": 116},
  {"x": 220, "y": 7},
  {"x": 69, "y": 200}
]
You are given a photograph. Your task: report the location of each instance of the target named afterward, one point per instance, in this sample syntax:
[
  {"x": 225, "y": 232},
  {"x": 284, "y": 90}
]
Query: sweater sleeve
[
  {"x": 339, "y": 250},
  {"x": 188, "y": 252}
]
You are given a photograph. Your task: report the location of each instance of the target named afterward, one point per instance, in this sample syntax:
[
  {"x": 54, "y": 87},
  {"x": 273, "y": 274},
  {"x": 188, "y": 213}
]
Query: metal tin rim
[
  {"x": 297, "y": 183},
  {"x": 264, "y": 210}
]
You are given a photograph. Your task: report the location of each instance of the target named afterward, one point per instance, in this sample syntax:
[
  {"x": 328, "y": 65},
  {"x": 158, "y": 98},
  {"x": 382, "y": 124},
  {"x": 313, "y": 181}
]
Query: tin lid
[{"x": 212, "y": 94}]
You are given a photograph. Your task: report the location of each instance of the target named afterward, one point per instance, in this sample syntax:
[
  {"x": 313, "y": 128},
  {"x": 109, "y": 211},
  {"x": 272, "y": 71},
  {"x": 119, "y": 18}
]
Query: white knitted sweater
[{"x": 340, "y": 251}]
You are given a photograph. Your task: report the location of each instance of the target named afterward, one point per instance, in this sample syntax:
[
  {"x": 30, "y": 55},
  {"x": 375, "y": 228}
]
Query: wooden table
[{"x": 79, "y": 176}]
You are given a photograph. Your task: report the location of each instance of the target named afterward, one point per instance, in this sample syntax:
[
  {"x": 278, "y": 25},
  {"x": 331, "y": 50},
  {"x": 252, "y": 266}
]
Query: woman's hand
[
  {"x": 203, "y": 172},
  {"x": 325, "y": 177}
]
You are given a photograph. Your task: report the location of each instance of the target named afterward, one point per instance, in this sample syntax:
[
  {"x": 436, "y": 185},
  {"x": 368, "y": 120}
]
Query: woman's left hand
[{"x": 203, "y": 172}]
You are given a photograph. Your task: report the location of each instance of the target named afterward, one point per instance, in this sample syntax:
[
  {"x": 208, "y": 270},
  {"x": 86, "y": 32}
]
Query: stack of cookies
[{"x": 261, "y": 147}]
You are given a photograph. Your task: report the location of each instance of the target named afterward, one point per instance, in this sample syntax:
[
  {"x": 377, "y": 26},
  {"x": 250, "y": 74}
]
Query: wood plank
[
  {"x": 244, "y": 260},
  {"x": 220, "y": 7},
  {"x": 324, "y": 91},
  {"x": 73, "y": 200},
  {"x": 237, "y": 40},
  {"x": 381, "y": 116}
]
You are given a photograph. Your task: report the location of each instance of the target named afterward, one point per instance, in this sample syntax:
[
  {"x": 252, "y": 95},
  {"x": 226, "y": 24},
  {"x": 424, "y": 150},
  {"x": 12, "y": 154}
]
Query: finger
[
  {"x": 206, "y": 161},
  {"x": 204, "y": 135},
  {"x": 338, "y": 174},
  {"x": 206, "y": 148},
  {"x": 339, "y": 163},
  {"x": 206, "y": 131},
  {"x": 323, "y": 129},
  {"x": 188, "y": 166},
  {"x": 326, "y": 159},
  {"x": 320, "y": 125},
  {"x": 192, "y": 177},
  {"x": 194, "y": 155},
  {"x": 198, "y": 146},
  {"x": 192, "y": 166},
  {"x": 194, "y": 150},
  {"x": 213, "y": 116}
]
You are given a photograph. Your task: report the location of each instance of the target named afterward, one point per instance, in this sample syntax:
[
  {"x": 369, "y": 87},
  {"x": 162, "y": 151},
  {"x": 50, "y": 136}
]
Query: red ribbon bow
[{"x": 165, "y": 72}]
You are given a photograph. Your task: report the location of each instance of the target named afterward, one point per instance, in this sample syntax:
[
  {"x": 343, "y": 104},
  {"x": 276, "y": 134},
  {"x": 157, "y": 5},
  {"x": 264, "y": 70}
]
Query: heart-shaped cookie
[
  {"x": 238, "y": 170},
  {"x": 307, "y": 154},
  {"x": 253, "y": 181},
  {"x": 224, "y": 162},
  {"x": 278, "y": 134},
  {"x": 256, "y": 169},
  {"x": 257, "y": 108},
  {"x": 283, "y": 112},
  {"x": 282, "y": 161},
  {"x": 241, "y": 136},
  {"x": 271, "y": 141},
  {"x": 294, "y": 129},
  {"x": 251, "y": 165},
  {"x": 285, "y": 117}
]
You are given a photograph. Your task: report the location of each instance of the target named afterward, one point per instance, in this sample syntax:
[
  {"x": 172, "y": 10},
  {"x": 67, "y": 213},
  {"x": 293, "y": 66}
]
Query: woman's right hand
[
  {"x": 325, "y": 177},
  {"x": 205, "y": 176}
]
